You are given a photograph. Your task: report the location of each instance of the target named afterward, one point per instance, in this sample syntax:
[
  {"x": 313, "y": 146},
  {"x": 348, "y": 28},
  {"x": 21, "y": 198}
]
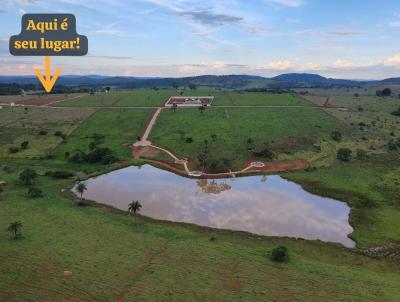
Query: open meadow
[{"x": 84, "y": 252}]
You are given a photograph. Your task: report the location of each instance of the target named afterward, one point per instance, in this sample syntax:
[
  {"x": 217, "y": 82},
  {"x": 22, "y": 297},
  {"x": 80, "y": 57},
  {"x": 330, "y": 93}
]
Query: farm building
[{"x": 189, "y": 101}]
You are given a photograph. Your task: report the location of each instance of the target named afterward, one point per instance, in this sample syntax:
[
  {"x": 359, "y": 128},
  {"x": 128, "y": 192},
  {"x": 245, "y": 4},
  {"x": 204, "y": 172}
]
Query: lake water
[{"x": 265, "y": 205}]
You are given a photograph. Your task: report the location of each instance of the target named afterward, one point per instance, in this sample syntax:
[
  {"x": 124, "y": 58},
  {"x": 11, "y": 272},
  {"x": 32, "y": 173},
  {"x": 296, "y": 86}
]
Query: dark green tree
[
  {"x": 134, "y": 207},
  {"x": 27, "y": 176},
  {"x": 344, "y": 154}
]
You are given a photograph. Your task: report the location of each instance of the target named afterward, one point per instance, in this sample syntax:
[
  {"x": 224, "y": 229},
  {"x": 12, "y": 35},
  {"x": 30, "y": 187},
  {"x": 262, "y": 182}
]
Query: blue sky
[{"x": 346, "y": 39}]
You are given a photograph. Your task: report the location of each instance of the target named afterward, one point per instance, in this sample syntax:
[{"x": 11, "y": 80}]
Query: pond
[{"x": 264, "y": 205}]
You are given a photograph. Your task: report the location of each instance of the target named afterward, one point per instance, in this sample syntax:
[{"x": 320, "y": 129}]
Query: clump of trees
[
  {"x": 344, "y": 154},
  {"x": 265, "y": 152},
  {"x": 384, "y": 92},
  {"x": 280, "y": 254},
  {"x": 97, "y": 155},
  {"x": 59, "y": 174}
]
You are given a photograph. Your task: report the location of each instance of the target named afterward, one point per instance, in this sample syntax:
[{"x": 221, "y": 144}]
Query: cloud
[
  {"x": 289, "y": 3},
  {"x": 278, "y": 65},
  {"x": 395, "y": 24},
  {"x": 342, "y": 64},
  {"x": 393, "y": 61},
  {"x": 207, "y": 17}
]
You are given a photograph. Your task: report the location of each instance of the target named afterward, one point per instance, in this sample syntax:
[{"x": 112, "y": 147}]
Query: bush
[
  {"x": 42, "y": 132},
  {"x": 265, "y": 153},
  {"x": 27, "y": 176},
  {"x": 13, "y": 149},
  {"x": 35, "y": 192},
  {"x": 344, "y": 154},
  {"x": 189, "y": 140},
  {"x": 336, "y": 136},
  {"x": 24, "y": 145},
  {"x": 280, "y": 254},
  {"x": 59, "y": 174}
]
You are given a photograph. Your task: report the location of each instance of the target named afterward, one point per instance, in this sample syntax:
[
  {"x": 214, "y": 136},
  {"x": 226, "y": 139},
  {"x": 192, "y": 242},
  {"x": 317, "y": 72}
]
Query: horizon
[
  {"x": 155, "y": 38},
  {"x": 202, "y": 75}
]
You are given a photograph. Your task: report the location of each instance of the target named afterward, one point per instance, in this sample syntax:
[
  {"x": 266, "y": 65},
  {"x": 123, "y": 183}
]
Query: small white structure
[
  {"x": 195, "y": 173},
  {"x": 257, "y": 164},
  {"x": 12, "y": 104}
]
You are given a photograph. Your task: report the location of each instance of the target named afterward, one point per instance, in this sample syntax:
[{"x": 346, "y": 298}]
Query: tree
[
  {"x": 174, "y": 107},
  {"x": 201, "y": 109},
  {"x": 15, "y": 229},
  {"x": 134, "y": 207},
  {"x": 336, "y": 136},
  {"x": 280, "y": 254},
  {"x": 192, "y": 86},
  {"x": 107, "y": 89},
  {"x": 175, "y": 85},
  {"x": 13, "y": 149},
  {"x": 27, "y": 176},
  {"x": 81, "y": 188},
  {"x": 24, "y": 145},
  {"x": 35, "y": 192},
  {"x": 344, "y": 154}
]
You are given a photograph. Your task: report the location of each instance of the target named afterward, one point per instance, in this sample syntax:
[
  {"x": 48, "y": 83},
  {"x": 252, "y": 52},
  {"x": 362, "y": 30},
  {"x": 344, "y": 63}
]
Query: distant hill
[{"x": 283, "y": 81}]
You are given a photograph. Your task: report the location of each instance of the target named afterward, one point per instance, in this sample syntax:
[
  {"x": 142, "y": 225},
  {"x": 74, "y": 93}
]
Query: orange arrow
[{"x": 49, "y": 81}]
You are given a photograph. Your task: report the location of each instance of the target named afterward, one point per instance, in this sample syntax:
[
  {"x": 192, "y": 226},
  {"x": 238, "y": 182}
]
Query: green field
[
  {"x": 18, "y": 125},
  {"x": 99, "y": 99},
  {"x": 113, "y": 257},
  {"x": 118, "y": 127},
  {"x": 279, "y": 128}
]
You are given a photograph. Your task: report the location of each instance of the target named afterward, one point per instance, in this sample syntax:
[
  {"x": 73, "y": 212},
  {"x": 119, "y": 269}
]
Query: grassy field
[
  {"x": 281, "y": 129},
  {"x": 115, "y": 258},
  {"x": 119, "y": 129},
  {"x": 18, "y": 125},
  {"x": 370, "y": 187},
  {"x": 99, "y": 99}
]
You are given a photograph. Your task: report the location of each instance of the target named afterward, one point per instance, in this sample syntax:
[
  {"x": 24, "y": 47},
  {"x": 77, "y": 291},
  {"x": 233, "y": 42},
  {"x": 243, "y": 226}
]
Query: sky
[{"x": 351, "y": 39}]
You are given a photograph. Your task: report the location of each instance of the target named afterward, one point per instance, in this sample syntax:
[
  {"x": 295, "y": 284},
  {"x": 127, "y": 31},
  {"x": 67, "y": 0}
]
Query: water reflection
[{"x": 257, "y": 204}]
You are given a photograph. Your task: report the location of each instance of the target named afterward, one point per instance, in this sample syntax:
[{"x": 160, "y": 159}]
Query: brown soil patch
[
  {"x": 147, "y": 152},
  {"x": 281, "y": 166},
  {"x": 42, "y": 100}
]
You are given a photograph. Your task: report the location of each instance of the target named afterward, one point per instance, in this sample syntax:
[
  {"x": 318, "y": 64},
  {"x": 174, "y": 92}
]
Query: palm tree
[
  {"x": 14, "y": 228},
  {"x": 81, "y": 187},
  {"x": 134, "y": 207}
]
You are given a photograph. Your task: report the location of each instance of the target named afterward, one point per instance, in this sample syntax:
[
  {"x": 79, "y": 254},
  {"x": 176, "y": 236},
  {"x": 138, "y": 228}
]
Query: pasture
[
  {"x": 37, "y": 126},
  {"x": 228, "y": 130},
  {"x": 116, "y": 129},
  {"x": 112, "y": 256}
]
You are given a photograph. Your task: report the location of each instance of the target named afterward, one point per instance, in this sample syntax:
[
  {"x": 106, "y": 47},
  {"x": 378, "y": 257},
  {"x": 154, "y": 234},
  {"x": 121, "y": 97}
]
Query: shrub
[
  {"x": 336, "y": 136},
  {"x": 189, "y": 140},
  {"x": 24, "y": 145},
  {"x": 59, "y": 174},
  {"x": 280, "y": 254},
  {"x": 267, "y": 153},
  {"x": 42, "y": 132},
  {"x": 35, "y": 192},
  {"x": 27, "y": 176},
  {"x": 13, "y": 149},
  {"x": 58, "y": 133},
  {"x": 344, "y": 154}
]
